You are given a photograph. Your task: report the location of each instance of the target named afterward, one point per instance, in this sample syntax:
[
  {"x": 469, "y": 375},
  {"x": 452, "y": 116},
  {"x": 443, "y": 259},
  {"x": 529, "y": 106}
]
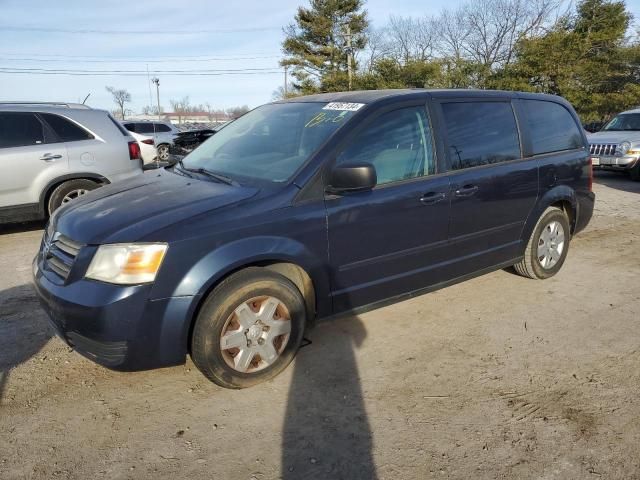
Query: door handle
[
  {"x": 432, "y": 197},
  {"x": 47, "y": 157},
  {"x": 466, "y": 191}
]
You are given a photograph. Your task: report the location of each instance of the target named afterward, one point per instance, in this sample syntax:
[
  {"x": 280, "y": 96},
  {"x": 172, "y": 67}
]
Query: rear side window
[
  {"x": 124, "y": 131},
  {"x": 130, "y": 126},
  {"x": 144, "y": 128},
  {"x": 551, "y": 127},
  {"x": 66, "y": 130},
  {"x": 480, "y": 133},
  {"x": 161, "y": 127},
  {"x": 18, "y": 129}
]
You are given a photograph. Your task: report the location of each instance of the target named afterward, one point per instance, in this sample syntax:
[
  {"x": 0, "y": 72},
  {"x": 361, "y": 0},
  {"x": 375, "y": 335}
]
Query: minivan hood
[
  {"x": 614, "y": 137},
  {"x": 133, "y": 209}
]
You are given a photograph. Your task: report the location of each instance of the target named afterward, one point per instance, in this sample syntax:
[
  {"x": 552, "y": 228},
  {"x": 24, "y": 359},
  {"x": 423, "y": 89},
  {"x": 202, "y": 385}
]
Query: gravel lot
[{"x": 498, "y": 377}]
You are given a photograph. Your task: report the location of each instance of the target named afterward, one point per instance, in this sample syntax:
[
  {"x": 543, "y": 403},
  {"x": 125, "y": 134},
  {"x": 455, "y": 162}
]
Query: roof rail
[{"x": 54, "y": 104}]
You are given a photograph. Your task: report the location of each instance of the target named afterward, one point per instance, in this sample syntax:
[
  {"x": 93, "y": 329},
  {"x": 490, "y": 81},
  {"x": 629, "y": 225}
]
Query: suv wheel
[
  {"x": 163, "y": 152},
  {"x": 249, "y": 328},
  {"x": 548, "y": 246},
  {"x": 69, "y": 190}
]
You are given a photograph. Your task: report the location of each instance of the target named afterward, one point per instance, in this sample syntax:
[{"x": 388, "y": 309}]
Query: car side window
[
  {"x": 20, "y": 129},
  {"x": 551, "y": 127},
  {"x": 398, "y": 144},
  {"x": 162, "y": 128},
  {"x": 130, "y": 126},
  {"x": 480, "y": 133},
  {"x": 66, "y": 130},
  {"x": 144, "y": 128}
]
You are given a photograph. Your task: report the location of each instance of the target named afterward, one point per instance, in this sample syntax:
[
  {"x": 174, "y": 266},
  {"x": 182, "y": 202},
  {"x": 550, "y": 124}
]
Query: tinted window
[
  {"x": 480, "y": 133},
  {"x": 551, "y": 126},
  {"x": 66, "y": 130},
  {"x": 130, "y": 126},
  {"x": 19, "y": 129},
  {"x": 161, "y": 127},
  {"x": 144, "y": 127},
  {"x": 624, "y": 122},
  {"x": 124, "y": 130},
  {"x": 398, "y": 144}
]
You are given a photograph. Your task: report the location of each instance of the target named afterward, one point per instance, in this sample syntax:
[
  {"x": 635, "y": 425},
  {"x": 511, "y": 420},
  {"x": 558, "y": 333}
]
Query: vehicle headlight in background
[
  {"x": 127, "y": 263},
  {"x": 623, "y": 148}
]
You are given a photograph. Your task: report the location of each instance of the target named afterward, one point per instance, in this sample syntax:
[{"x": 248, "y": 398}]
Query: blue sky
[{"x": 247, "y": 35}]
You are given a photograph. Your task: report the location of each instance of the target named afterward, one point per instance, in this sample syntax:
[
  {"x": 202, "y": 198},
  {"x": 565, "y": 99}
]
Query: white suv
[
  {"x": 163, "y": 133},
  {"x": 51, "y": 153}
]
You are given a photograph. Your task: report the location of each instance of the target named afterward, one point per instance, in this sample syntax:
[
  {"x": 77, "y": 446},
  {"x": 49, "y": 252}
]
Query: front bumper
[
  {"x": 614, "y": 163},
  {"x": 118, "y": 327}
]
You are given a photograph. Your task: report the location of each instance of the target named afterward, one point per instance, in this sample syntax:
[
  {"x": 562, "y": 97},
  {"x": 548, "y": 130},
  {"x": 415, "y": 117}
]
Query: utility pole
[
  {"x": 285, "y": 81},
  {"x": 349, "y": 53},
  {"x": 156, "y": 80}
]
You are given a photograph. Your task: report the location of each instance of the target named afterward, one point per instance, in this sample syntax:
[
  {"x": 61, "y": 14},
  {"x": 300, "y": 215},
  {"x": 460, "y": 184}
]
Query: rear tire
[
  {"x": 548, "y": 246},
  {"x": 163, "y": 152},
  {"x": 68, "y": 191},
  {"x": 234, "y": 326}
]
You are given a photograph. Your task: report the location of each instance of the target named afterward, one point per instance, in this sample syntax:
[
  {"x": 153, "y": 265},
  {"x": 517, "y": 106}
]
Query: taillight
[
  {"x": 134, "y": 151},
  {"x": 590, "y": 174},
  {"x": 148, "y": 141}
]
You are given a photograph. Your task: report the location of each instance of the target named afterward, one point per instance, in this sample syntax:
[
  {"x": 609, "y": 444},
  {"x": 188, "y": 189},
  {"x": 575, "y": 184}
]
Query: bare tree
[
  {"x": 411, "y": 38},
  {"x": 378, "y": 46},
  {"x": 181, "y": 107},
  {"x": 237, "y": 112},
  {"x": 120, "y": 98},
  {"x": 452, "y": 34}
]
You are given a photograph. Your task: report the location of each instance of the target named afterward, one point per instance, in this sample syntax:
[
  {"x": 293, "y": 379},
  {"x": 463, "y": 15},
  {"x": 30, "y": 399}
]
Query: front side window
[
  {"x": 271, "y": 142},
  {"x": 551, "y": 126},
  {"x": 624, "y": 122},
  {"x": 18, "y": 129},
  {"x": 66, "y": 130},
  {"x": 398, "y": 144},
  {"x": 480, "y": 133}
]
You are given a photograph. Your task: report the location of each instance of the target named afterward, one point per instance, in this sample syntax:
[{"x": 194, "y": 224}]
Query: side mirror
[{"x": 354, "y": 177}]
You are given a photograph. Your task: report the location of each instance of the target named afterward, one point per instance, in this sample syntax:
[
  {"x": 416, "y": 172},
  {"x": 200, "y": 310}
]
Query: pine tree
[{"x": 316, "y": 43}]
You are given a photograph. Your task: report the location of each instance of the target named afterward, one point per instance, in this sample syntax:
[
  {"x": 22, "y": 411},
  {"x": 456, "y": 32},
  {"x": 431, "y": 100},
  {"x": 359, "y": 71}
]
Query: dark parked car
[
  {"x": 309, "y": 208},
  {"x": 186, "y": 142}
]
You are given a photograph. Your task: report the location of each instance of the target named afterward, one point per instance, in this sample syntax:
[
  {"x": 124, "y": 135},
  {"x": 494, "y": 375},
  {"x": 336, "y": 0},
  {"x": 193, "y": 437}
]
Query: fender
[
  {"x": 63, "y": 178},
  {"x": 558, "y": 193}
]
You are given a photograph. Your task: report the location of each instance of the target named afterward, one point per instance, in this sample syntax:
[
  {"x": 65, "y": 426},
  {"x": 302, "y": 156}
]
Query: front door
[
  {"x": 390, "y": 240},
  {"x": 27, "y": 158}
]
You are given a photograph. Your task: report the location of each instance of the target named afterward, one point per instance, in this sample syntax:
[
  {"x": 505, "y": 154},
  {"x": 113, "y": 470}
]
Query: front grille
[
  {"x": 603, "y": 149},
  {"x": 59, "y": 254}
]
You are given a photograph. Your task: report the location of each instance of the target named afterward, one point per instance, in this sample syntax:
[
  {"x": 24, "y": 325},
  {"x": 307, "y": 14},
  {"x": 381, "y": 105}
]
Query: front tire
[
  {"x": 548, "y": 246},
  {"x": 248, "y": 329}
]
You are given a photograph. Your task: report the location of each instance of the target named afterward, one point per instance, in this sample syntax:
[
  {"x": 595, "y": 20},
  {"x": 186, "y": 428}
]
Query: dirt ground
[{"x": 498, "y": 377}]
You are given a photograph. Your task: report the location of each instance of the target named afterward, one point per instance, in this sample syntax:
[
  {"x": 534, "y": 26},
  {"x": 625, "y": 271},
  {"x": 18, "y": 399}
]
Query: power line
[
  {"x": 239, "y": 56},
  {"x": 106, "y": 74},
  {"x": 141, "y": 60},
  {"x": 82, "y": 70},
  {"x": 136, "y": 32}
]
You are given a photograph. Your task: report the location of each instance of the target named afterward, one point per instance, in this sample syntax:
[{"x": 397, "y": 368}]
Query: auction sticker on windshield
[{"x": 349, "y": 107}]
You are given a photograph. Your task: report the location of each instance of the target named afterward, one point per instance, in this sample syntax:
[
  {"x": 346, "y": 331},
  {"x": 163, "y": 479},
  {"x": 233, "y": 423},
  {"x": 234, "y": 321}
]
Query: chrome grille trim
[
  {"x": 606, "y": 149},
  {"x": 60, "y": 253}
]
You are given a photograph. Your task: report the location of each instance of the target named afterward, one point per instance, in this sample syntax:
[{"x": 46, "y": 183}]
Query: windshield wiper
[{"x": 203, "y": 171}]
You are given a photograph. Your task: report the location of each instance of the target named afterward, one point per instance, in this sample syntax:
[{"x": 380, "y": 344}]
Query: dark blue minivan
[{"x": 307, "y": 208}]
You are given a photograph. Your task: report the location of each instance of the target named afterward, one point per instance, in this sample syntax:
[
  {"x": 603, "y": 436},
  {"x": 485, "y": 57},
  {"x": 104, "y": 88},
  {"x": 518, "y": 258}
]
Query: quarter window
[
  {"x": 66, "y": 130},
  {"x": 480, "y": 133},
  {"x": 551, "y": 126},
  {"x": 398, "y": 144},
  {"x": 18, "y": 129}
]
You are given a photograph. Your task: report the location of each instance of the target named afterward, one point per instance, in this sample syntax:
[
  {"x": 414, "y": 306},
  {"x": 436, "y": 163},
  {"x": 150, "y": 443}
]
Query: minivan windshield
[
  {"x": 271, "y": 142},
  {"x": 623, "y": 122}
]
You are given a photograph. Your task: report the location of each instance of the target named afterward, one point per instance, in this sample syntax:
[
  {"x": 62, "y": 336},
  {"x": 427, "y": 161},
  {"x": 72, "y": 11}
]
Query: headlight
[
  {"x": 127, "y": 264},
  {"x": 623, "y": 148}
]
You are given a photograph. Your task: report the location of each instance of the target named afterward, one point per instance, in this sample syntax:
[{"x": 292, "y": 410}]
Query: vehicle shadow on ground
[
  {"x": 23, "y": 330},
  {"x": 616, "y": 180},
  {"x": 21, "y": 227},
  {"x": 326, "y": 432}
]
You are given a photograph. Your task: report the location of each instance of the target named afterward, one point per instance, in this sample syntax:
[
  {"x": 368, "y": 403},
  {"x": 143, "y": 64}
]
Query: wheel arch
[
  {"x": 562, "y": 197},
  {"x": 53, "y": 184}
]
